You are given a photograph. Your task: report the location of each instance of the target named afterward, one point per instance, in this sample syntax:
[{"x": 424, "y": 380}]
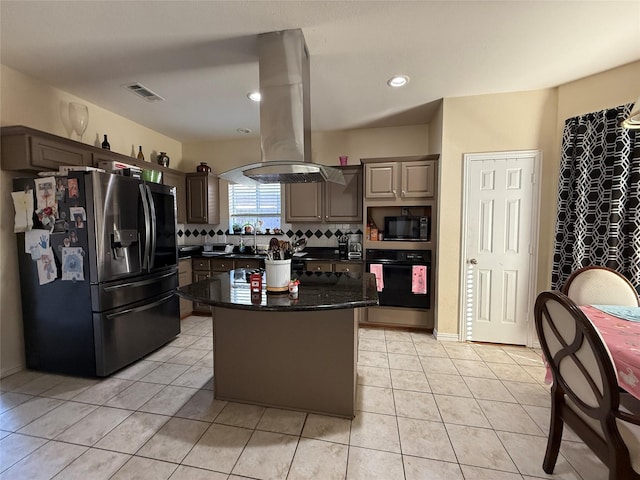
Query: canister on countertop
[{"x": 255, "y": 280}]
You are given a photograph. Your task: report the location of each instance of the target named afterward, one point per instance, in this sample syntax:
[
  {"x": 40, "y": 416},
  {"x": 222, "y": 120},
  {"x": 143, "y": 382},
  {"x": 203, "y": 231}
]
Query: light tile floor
[{"x": 426, "y": 410}]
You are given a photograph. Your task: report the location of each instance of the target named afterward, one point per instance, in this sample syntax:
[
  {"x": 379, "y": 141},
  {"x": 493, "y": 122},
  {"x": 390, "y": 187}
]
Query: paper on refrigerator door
[
  {"x": 46, "y": 194},
  {"x": 47, "y": 269},
  {"x": 72, "y": 267},
  {"x": 36, "y": 242},
  {"x": 23, "y": 206}
]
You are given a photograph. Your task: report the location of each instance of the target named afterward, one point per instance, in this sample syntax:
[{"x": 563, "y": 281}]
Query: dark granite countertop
[
  {"x": 316, "y": 291},
  {"x": 309, "y": 254}
]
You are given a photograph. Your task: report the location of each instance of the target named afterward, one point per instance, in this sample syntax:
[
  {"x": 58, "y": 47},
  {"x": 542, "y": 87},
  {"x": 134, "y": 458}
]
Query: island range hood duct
[{"x": 285, "y": 120}]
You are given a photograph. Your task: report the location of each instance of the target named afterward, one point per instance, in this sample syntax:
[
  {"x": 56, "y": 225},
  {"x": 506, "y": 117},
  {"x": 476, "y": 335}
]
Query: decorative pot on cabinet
[
  {"x": 163, "y": 159},
  {"x": 203, "y": 168}
]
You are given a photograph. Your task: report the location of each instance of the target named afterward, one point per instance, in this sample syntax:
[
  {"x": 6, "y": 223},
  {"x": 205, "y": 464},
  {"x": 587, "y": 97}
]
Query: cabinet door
[
  {"x": 347, "y": 267},
  {"x": 177, "y": 179},
  {"x": 319, "y": 266},
  {"x": 418, "y": 179},
  {"x": 202, "y": 198},
  {"x": 303, "y": 202},
  {"x": 381, "y": 180},
  {"x": 343, "y": 203},
  {"x": 221, "y": 264},
  {"x": 246, "y": 263},
  {"x": 201, "y": 307},
  {"x": 47, "y": 153},
  {"x": 196, "y": 199},
  {"x": 185, "y": 273},
  {"x": 201, "y": 264}
]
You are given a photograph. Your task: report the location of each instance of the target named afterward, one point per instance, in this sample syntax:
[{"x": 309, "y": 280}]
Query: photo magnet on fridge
[
  {"x": 72, "y": 186},
  {"x": 79, "y": 216}
]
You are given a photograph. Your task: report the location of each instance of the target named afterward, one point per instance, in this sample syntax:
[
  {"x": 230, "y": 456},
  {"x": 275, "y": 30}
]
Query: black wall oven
[{"x": 403, "y": 276}]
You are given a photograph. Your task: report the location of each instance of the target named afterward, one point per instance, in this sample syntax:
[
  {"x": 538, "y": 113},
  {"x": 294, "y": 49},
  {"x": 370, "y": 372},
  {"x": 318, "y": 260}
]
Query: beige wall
[
  {"x": 25, "y": 101},
  {"x": 486, "y": 123},
  {"x": 435, "y": 131},
  {"x": 513, "y": 121},
  {"x": 325, "y": 147}
]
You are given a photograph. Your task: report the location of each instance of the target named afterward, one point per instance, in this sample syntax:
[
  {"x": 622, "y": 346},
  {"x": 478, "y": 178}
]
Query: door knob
[{"x": 473, "y": 261}]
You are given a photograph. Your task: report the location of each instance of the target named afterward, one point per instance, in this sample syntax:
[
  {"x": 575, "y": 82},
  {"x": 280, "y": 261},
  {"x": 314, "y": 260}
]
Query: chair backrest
[
  {"x": 579, "y": 360},
  {"x": 596, "y": 285}
]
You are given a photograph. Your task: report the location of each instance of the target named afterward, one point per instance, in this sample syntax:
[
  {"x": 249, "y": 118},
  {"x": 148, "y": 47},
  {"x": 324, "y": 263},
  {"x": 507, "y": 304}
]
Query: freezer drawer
[
  {"x": 105, "y": 296},
  {"x": 127, "y": 334}
]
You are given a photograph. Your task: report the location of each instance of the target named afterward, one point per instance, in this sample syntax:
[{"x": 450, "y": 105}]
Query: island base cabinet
[{"x": 297, "y": 360}]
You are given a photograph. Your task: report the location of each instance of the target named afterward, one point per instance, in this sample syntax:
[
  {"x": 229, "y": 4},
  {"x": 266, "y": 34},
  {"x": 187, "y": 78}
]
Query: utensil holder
[{"x": 278, "y": 273}]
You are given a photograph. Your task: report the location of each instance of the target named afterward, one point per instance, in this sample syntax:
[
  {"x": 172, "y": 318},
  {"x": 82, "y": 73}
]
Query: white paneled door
[{"x": 500, "y": 240}]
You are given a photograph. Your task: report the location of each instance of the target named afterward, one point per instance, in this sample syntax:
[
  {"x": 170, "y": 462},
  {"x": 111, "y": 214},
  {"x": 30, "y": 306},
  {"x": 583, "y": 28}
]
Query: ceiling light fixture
[
  {"x": 255, "y": 96},
  {"x": 632, "y": 122},
  {"x": 398, "y": 81}
]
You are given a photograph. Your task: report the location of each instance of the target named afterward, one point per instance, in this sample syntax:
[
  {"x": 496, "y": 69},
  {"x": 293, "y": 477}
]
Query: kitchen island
[{"x": 286, "y": 351}]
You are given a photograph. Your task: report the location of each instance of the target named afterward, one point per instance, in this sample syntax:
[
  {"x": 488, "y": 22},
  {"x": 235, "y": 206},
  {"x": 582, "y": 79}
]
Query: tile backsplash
[{"x": 317, "y": 234}]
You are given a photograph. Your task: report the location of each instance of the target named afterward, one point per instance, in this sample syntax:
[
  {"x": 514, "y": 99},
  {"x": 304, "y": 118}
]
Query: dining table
[{"x": 620, "y": 329}]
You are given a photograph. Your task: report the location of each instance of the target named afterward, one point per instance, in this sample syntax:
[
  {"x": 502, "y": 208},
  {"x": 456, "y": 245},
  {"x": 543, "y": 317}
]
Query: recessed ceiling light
[
  {"x": 243, "y": 130},
  {"x": 255, "y": 96},
  {"x": 398, "y": 81}
]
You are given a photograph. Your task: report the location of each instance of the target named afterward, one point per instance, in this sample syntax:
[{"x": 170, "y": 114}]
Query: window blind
[{"x": 253, "y": 203}]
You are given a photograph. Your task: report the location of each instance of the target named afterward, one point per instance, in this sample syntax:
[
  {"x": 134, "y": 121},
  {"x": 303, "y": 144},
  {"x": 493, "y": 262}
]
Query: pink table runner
[{"x": 623, "y": 340}]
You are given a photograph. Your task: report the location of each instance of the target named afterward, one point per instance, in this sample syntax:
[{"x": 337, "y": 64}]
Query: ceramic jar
[
  {"x": 163, "y": 159},
  {"x": 203, "y": 168}
]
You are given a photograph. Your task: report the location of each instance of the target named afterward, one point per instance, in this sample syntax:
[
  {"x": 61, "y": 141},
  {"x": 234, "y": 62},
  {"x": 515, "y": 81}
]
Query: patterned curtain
[{"x": 598, "y": 220}]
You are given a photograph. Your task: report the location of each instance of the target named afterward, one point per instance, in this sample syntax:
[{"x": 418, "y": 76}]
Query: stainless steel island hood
[{"x": 285, "y": 120}]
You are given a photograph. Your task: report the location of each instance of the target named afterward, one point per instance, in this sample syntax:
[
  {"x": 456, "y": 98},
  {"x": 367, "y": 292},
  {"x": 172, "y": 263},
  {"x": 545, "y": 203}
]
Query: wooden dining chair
[
  {"x": 584, "y": 394},
  {"x": 595, "y": 285}
]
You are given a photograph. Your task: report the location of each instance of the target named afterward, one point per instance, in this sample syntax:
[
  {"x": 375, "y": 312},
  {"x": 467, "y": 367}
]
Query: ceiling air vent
[{"x": 144, "y": 92}]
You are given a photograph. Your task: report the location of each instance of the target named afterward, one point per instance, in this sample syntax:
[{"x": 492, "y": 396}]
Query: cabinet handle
[
  {"x": 394, "y": 192},
  {"x": 346, "y": 269},
  {"x": 403, "y": 193}
]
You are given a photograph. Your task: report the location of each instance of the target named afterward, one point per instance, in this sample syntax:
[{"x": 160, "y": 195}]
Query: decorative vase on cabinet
[
  {"x": 163, "y": 159},
  {"x": 203, "y": 168}
]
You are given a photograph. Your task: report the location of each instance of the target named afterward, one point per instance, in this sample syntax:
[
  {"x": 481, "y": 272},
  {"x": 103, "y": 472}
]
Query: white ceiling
[{"x": 201, "y": 56}]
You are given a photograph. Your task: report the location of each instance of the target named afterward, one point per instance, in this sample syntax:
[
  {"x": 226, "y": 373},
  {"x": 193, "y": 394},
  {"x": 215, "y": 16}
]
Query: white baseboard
[
  {"x": 446, "y": 337},
  {"x": 10, "y": 371}
]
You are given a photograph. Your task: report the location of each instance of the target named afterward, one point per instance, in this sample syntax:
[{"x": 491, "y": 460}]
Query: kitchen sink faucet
[{"x": 255, "y": 237}]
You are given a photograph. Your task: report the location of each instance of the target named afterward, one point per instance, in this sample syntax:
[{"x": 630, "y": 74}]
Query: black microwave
[{"x": 406, "y": 227}]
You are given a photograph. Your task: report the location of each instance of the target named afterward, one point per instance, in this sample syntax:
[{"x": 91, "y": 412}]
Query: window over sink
[{"x": 254, "y": 207}]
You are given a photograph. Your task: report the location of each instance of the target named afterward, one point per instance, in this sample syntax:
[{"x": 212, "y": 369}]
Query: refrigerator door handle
[
  {"x": 139, "y": 283},
  {"x": 147, "y": 226},
  {"x": 139, "y": 309},
  {"x": 154, "y": 227}
]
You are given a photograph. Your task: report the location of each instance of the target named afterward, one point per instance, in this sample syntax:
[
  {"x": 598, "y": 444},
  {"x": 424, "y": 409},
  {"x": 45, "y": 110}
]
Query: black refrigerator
[{"x": 98, "y": 290}]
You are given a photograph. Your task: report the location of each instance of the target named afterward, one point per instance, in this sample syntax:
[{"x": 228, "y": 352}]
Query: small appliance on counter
[
  {"x": 186, "y": 251},
  {"x": 343, "y": 246},
  {"x": 355, "y": 247}
]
